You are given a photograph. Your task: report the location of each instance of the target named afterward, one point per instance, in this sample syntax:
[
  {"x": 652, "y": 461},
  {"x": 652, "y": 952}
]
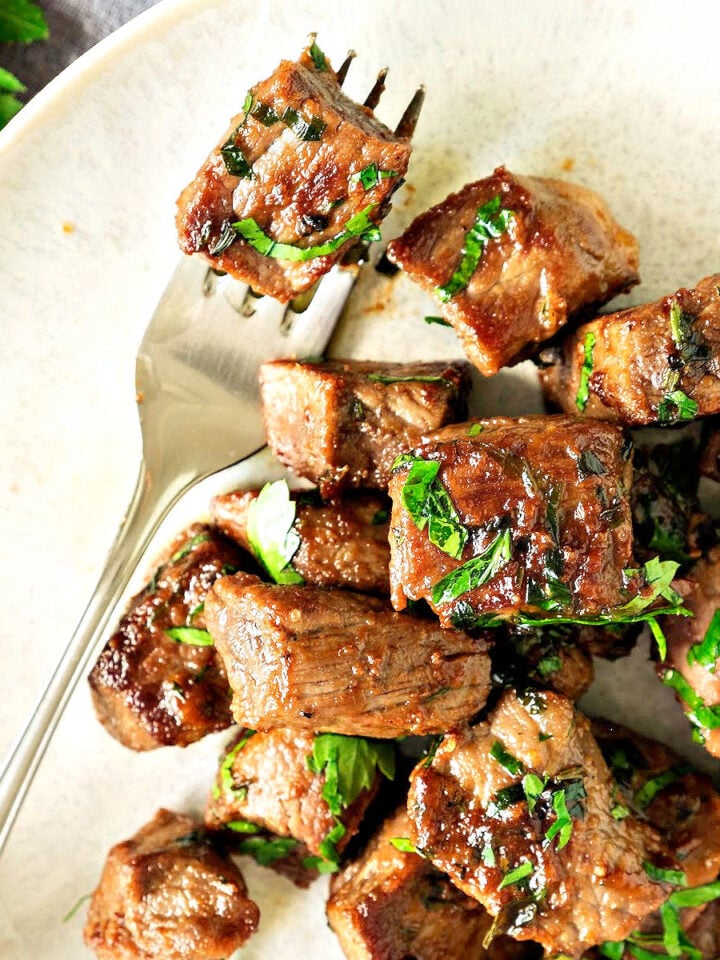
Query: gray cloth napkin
[{"x": 75, "y": 26}]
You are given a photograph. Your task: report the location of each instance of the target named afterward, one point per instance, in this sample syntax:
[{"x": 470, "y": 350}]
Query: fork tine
[
  {"x": 373, "y": 98},
  {"x": 345, "y": 66},
  {"x": 409, "y": 119}
]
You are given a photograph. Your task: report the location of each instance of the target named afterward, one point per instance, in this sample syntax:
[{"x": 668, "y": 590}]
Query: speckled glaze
[{"x": 624, "y": 98}]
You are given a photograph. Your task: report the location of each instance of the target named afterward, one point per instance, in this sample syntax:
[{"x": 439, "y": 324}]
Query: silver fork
[{"x": 199, "y": 408}]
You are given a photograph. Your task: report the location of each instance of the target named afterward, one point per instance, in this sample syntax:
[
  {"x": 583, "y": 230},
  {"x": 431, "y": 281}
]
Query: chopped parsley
[
  {"x": 506, "y": 760},
  {"x": 227, "y": 784},
  {"x": 589, "y": 465},
  {"x": 428, "y": 502},
  {"x": 316, "y": 55},
  {"x": 76, "y": 906},
  {"x": 476, "y": 572},
  {"x": 474, "y": 429},
  {"x": 698, "y": 712},
  {"x": 271, "y": 531},
  {"x": 242, "y": 826},
  {"x": 504, "y": 798},
  {"x": 686, "y": 337},
  {"x": 360, "y": 225},
  {"x": 562, "y": 827},
  {"x": 652, "y": 787},
  {"x": 302, "y": 128},
  {"x": 518, "y": 874},
  {"x": 234, "y": 160},
  {"x": 676, "y": 406},
  {"x": 583, "y": 390},
  {"x": 491, "y": 221},
  {"x": 533, "y": 787},
  {"x": 329, "y": 859},
  {"x": 380, "y": 378},
  {"x": 350, "y": 765},
  {"x": 707, "y": 652},
  {"x": 487, "y": 855},
  {"x": 226, "y": 239},
  {"x": 440, "y": 321},
  {"x": 266, "y": 850},
  {"x": 190, "y": 635},
  {"x": 404, "y": 844},
  {"x": 371, "y": 175},
  {"x": 662, "y": 875},
  {"x": 189, "y": 546}
]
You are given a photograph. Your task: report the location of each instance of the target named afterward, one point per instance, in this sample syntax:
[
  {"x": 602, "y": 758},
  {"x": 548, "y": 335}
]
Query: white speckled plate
[{"x": 623, "y": 97}]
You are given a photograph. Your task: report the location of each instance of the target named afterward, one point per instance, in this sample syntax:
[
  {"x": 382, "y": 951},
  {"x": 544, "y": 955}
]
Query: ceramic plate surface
[{"x": 624, "y": 98}]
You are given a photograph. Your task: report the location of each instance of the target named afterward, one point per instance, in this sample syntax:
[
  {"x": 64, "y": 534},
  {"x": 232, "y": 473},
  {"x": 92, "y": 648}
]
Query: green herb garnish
[
  {"x": 329, "y": 859},
  {"x": 404, "y": 844},
  {"x": 663, "y": 875},
  {"x": 226, "y": 239},
  {"x": 189, "y": 546},
  {"x": 506, "y": 760},
  {"x": 317, "y": 56},
  {"x": 358, "y": 226},
  {"x": 302, "y": 128},
  {"x": 487, "y": 855},
  {"x": 583, "y": 390},
  {"x": 267, "y": 850},
  {"x": 707, "y": 652},
  {"x": 350, "y": 765},
  {"x": 651, "y": 788},
  {"x": 476, "y": 572},
  {"x": 517, "y": 875},
  {"x": 698, "y": 712},
  {"x": 504, "y": 798},
  {"x": 380, "y": 378},
  {"x": 192, "y": 636},
  {"x": 440, "y": 321},
  {"x": 370, "y": 176},
  {"x": 21, "y": 21},
  {"x": 562, "y": 827},
  {"x": 589, "y": 465},
  {"x": 242, "y": 826},
  {"x": 227, "y": 781},
  {"x": 533, "y": 786},
  {"x": 427, "y": 501},
  {"x": 271, "y": 531},
  {"x": 676, "y": 406},
  {"x": 490, "y": 223},
  {"x": 76, "y": 906},
  {"x": 686, "y": 337},
  {"x": 474, "y": 429},
  {"x": 234, "y": 160}
]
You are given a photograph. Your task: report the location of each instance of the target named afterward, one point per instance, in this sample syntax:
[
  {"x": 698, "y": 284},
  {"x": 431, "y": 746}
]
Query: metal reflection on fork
[{"x": 199, "y": 410}]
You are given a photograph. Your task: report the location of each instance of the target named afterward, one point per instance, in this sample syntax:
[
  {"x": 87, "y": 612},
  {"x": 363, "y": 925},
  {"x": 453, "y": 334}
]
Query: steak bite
[
  {"x": 518, "y": 812},
  {"x": 547, "y": 249},
  {"x": 313, "y": 659},
  {"x": 342, "y": 423},
  {"x": 676, "y": 800},
  {"x": 342, "y": 543},
  {"x": 300, "y": 174},
  {"x": 693, "y": 651},
  {"x": 151, "y": 688},
  {"x": 268, "y": 781},
  {"x": 389, "y": 904},
  {"x": 656, "y": 363},
  {"x": 508, "y": 518},
  {"x": 167, "y": 893}
]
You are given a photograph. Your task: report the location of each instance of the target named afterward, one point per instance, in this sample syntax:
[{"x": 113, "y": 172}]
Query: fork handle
[{"x": 147, "y": 509}]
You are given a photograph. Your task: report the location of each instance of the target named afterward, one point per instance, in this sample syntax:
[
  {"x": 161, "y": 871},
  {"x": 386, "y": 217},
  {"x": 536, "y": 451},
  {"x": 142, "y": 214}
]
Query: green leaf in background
[{"x": 22, "y": 21}]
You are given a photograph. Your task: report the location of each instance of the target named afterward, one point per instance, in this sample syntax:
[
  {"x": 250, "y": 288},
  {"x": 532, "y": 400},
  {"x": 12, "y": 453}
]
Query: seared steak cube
[
  {"x": 343, "y": 423},
  {"x": 502, "y": 518},
  {"x": 313, "y": 659},
  {"x": 159, "y": 681},
  {"x": 265, "y": 784},
  {"x": 710, "y": 451},
  {"x": 551, "y": 248},
  {"x": 693, "y": 651},
  {"x": 389, "y": 904},
  {"x": 300, "y": 174},
  {"x": 342, "y": 543},
  {"x": 168, "y": 894},
  {"x": 675, "y": 799},
  {"x": 657, "y": 363},
  {"x": 518, "y": 812}
]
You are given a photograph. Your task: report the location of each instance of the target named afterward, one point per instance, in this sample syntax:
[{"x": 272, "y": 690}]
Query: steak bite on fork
[
  {"x": 301, "y": 174},
  {"x": 308, "y": 658},
  {"x": 518, "y": 812},
  {"x": 511, "y": 259},
  {"x": 159, "y": 681},
  {"x": 512, "y": 519},
  {"x": 342, "y": 423}
]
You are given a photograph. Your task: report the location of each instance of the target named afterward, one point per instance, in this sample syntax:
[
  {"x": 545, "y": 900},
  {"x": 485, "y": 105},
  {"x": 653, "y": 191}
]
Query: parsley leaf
[
  {"x": 227, "y": 782},
  {"x": 533, "y": 787},
  {"x": 379, "y": 378},
  {"x": 663, "y": 875},
  {"x": 562, "y": 827},
  {"x": 676, "y": 406},
  {"x": 349, "y": 765},
  {"x": 371, "y": 175},
  {"x": 404, "y": 844},
  {"x": 192, "y": 636},
  {"x": 266, "y": 850},
  {"x": 490, "y": 223},
  {"x": 271, "y": 531},
  {"x": 658, "y": 575},
  {"x": 427, "y": 501},
  {"x": 589, "y": 465},
  {"x": 476, "y": 572},
  {"x": 707, "y": 652},
  {"x": 506, "y": 760},
  {"x": 583, "y": 390},
  {"x": 235, "y": 161},
  {"x": 241, "y": 826},
  {"x": 359, "y": 225},
  {"x": 22, "y": 21},
  {"x": 698, "y": 712},
  {"x": 652, "y": 787},
  {"x": 696, "y": 896},
  {"x": 440, "y": 321},
  {"x": 516, "y": 875},
  {"x": 188, "y": 547},
  {"x": 316, "y": 54}
]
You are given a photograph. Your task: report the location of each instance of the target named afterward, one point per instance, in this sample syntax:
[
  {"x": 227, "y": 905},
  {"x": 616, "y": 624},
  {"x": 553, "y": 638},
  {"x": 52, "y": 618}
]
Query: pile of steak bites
[{"x": 443, "y": 579}]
